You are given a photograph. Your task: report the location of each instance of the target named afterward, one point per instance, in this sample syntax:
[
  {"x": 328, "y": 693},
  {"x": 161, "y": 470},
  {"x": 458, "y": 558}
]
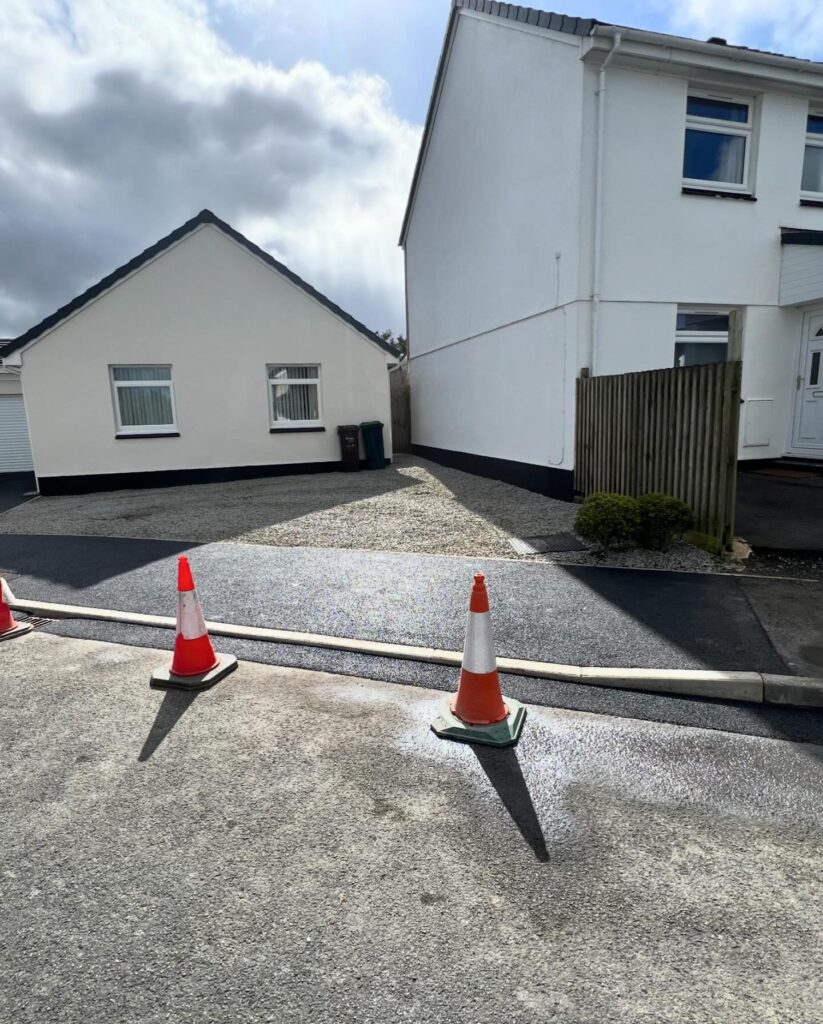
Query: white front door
[{"x": 808, "y": 434}]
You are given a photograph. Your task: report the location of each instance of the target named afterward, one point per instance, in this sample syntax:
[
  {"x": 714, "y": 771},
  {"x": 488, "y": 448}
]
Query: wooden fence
[
  {"x": 400, "y": 408},
  {"x": 673, "y": 431}
]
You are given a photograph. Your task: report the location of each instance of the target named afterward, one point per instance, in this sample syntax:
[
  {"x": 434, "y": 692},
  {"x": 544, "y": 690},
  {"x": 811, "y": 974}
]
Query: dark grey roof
[
  {"x": 530, "y": 16},
  {"x": 5, "y": 343},
  {"x": 513, "y": 12},
  {"x": 800, "y": 236},
  {"x": 204, "y": 217}
]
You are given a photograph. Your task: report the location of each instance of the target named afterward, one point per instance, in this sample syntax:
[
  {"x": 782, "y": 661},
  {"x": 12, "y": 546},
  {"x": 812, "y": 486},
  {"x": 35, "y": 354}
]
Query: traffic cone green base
[
  {"x": 502, "y": 734},
  {"x": 19, "y": 630},
  {"x": 165, "y": 679}
]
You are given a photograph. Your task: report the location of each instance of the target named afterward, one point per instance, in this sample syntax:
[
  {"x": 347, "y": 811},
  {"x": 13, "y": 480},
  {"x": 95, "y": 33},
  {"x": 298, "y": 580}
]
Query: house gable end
[{"x": 122, "y": 273}]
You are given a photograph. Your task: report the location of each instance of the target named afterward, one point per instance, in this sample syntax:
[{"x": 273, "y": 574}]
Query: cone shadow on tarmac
[
  {"x": 503, "y": 771},
  {"x": 174, "y": 706}
]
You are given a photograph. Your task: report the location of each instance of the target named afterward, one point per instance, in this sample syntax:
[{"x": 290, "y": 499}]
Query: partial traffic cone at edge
[{"x": 9, "y": 626}]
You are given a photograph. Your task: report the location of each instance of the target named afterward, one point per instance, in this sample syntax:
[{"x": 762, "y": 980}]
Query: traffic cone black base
[
  {"x": 18, "y": 630},
  {"x": 165, "y": 679},
  {"x": 501, "y": 734}
]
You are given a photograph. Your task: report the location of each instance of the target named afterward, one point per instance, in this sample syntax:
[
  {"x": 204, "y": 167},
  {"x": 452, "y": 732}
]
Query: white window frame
[
  {"x": 701, "y": 337},
  {"x": 812, "y": 139},
  {"x": 161, "y": 428},
  {"x": 276, "y": 425},
  {"x": 721, "y": 127}
]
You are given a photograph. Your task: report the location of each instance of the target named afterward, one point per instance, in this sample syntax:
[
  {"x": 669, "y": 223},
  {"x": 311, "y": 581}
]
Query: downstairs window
[
  {"x": 143, "y": 400},
  {"x": 702, "y": 337},
  {"x": 294, "y": 396}
]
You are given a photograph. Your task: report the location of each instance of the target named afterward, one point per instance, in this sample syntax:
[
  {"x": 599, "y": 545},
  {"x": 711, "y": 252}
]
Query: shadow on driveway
[
  {"x": 175, "y": 704},
  {"x": 13, "y": 489},
  {"x": 79, "y": 562},
  {"x": 780, "y": 511},
  {"x": 503, "y": 771}
]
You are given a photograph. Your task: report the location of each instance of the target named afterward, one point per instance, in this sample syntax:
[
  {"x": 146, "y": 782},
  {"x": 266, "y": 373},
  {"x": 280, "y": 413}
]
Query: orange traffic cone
[
  {"x": 478, "y": 713},
  {"x": 194, "y": 665},
  {"x": 9, "y": 626}
]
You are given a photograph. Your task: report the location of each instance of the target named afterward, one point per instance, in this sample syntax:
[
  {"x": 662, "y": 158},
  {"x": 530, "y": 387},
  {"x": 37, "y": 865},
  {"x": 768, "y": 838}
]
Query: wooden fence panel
[
  {"x": 671, "y": 430},
  {"x": 400, "y": 408}
]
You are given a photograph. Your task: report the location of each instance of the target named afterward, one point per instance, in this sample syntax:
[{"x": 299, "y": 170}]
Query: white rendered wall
[
  {"x": 771, "y": 340},
  {"x": 662, "y": 248},
  {"x": 510, "y": 396},
  {"x": 641, "y": 336},
  {"x": 218, "y": 315},
  {"x": 10, "y": 384},
  {"x": 493, "y": 241}
]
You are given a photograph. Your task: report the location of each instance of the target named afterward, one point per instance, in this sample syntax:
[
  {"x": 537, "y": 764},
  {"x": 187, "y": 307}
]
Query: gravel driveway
[{"x": 413, "y": 505}]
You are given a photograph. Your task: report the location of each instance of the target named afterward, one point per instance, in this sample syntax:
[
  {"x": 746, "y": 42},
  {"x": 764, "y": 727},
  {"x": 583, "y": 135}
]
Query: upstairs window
[
  {"x": 718, "y": 142},
  {"x": 143, "y": 400},
  {"x": 812, "y": 180},
  {"x": 702, "y": 337},
  {"x": 294, "y": 396}
]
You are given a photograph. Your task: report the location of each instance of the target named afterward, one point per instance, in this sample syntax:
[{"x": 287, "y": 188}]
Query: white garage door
[{"x": 15, "y": 451}]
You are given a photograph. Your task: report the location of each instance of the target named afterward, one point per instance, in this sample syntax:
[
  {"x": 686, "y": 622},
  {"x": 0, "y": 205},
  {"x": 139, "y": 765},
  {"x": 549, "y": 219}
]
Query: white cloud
[
  {"x": 794, "y": 27},
  {"x": 120, "y": 119}
]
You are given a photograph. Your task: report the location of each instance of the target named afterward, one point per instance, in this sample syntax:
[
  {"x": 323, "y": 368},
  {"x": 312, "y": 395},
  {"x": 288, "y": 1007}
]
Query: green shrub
[
  {"x": 662, "y": 520},
  {"x": 608, "y": 519}
]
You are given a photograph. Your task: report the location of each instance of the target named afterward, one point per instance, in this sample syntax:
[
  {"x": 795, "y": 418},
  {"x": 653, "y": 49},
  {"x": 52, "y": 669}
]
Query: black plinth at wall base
[{"x": 554, "y": 483}]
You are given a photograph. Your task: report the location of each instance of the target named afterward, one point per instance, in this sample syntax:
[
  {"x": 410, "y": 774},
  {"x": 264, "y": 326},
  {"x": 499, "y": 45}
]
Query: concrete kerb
[{"x": 753, "y": 687}]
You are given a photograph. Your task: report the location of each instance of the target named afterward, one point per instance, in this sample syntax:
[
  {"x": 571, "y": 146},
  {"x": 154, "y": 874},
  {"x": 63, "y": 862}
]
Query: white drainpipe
[{"x": 598, "y": 200}]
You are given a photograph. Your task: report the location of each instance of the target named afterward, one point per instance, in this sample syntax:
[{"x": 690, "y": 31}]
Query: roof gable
[
  {"x": 510, "y": 12},
  {"x": 204, "y": 217}
]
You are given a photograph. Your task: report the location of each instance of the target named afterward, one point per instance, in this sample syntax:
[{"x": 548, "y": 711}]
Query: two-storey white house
[{"x": 590, "y": 197}]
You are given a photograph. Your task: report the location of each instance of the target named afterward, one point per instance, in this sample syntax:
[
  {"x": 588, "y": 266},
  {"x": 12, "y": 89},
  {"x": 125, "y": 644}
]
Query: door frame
[{"x": 800, "y": 368}]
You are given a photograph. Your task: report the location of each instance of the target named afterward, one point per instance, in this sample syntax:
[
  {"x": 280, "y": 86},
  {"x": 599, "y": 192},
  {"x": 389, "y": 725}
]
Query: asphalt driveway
[
  {"x": 575, "y": 614},
  {"x": 295, "y": 847},
  {"x": 569, "y": 614},
  {"x": 781, "y": 511}
]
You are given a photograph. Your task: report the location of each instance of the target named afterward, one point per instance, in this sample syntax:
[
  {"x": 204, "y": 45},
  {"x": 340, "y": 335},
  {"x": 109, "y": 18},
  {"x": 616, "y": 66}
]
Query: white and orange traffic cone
[
  {"x": 194, "y": 665},
  {"x": 9, "y": 626},
  {"x": 478, "y": 713}
]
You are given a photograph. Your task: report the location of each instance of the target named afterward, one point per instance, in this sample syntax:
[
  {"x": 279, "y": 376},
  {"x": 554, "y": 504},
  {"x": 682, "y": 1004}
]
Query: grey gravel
[
  {"x": 298, "y": 847},
  {"x": 414, "y": 505}
]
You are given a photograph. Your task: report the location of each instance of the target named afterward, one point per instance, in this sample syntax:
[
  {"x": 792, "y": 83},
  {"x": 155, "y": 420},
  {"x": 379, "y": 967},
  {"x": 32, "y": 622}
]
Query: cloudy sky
[{"x": 295, "y": 120}]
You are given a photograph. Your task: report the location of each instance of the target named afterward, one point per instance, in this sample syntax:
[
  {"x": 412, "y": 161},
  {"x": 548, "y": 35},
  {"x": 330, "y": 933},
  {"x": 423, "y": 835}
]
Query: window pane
[
  {"x": 812, "y": 180},
  {"x": 814, "y": 125},
  {"x": 141, "y": 372},
  {"x": 295, "y": 402},
  {"x": 814, "y": 373},
  {"x": 696, "y": 353},
  {"x": 722, "y": 110},
  {"x": 713, "y": 156},
  {"x": 145, "y": 407},
  {"x": 703, "y": 322},
  {"x": 293, "y": 372}
]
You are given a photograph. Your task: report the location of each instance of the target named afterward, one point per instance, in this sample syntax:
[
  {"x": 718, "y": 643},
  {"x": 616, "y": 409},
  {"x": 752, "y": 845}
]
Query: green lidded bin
[{"x": 373, "y": 443}]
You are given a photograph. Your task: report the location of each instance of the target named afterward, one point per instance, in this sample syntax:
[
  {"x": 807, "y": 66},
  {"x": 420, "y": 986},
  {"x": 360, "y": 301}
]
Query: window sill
[
  {"x": 162, "y": 433},
  {"x": 717, "y": 193},
  {"x": 811, "y": 202},
  {"x": 296, "y": 430}
]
